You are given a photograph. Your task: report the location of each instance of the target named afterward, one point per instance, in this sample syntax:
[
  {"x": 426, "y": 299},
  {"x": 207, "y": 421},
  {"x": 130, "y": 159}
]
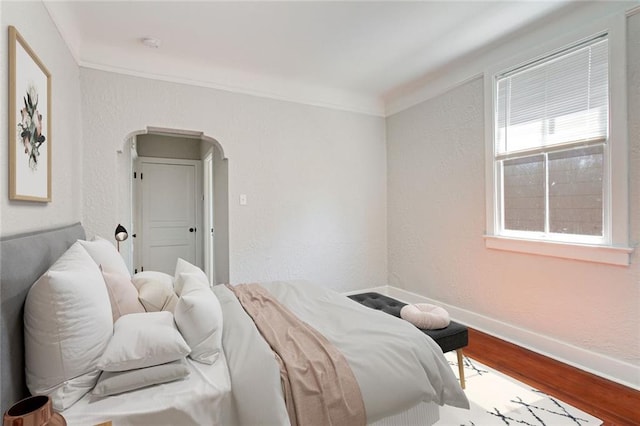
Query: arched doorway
[{"x": 178, "y": 202}]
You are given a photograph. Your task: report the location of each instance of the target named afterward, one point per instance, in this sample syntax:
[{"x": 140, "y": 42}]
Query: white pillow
[
  {"x": 156, "y": 296},
  {"x": 195, "y": 277},
  {"x": 106, "y": 255},
  {"x": 67, "y": 326},
  {"x": 198, "y": 316},
  {"x": 122, "y": 295},
  {"x": 145, "y": 276},
  {"x": 111, "y": 383},
  {"x": 182, "y": 266},
  {"x": 143, "y": 340}
]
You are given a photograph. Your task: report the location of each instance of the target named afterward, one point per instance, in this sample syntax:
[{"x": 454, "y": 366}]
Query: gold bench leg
[{"x": 460, "y": 367}]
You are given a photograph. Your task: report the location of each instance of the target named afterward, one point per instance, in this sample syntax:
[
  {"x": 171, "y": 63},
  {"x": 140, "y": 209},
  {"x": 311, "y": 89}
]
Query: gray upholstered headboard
[{"x": 23, "y": 259}]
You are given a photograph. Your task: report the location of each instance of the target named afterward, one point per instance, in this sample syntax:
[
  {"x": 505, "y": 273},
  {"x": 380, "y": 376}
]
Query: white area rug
[{"x": 497, "y": 399}]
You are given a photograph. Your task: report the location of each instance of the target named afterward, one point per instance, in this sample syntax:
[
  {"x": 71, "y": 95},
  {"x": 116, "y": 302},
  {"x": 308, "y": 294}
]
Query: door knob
[{"x": 192, "y": 229}]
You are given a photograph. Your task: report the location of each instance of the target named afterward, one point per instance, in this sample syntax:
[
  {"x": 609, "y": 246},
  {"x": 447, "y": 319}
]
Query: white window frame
[{"x": 615, "y": 247}]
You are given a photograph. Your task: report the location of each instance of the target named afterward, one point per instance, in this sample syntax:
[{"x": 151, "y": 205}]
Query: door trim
[{"x": 208, "y": 220}]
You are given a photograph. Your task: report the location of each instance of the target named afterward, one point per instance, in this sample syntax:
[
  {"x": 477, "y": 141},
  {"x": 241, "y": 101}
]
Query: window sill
[{"x": 588, "y": 253}]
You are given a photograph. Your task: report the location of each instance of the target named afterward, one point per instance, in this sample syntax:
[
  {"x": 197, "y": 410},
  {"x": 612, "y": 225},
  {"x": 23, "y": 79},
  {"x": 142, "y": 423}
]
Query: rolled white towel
[{"x": 423, "y": 315}]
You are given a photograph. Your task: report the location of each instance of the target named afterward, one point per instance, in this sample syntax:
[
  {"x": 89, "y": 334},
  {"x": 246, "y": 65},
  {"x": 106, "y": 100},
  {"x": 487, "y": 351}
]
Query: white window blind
[{"x": 559, "y": 99}]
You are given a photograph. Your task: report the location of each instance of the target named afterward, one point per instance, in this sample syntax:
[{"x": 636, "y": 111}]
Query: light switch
[{"x": 243, "y": 199}]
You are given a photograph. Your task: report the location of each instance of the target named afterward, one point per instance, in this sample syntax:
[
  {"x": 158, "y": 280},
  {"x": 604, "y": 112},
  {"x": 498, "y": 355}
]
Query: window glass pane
[
  {"x": 524, "y": 194},
  {"x": 576, "y": 191}
]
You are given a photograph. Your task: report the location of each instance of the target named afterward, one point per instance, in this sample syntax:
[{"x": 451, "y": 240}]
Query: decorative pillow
[
  {"x": 425, "y": 316},
  {"x": 122, "y": 295},
  {"x": 105, "y": 254},
  {"x": 143, "y": 340},
  {"x": 195, "y": 277},
  {"x": 155, "y": 296},
  {"x": 145, "y": 276},
  {"x": 67, "y": 326},
  {"x": 111, "y": 383},
  {"x": 198, "y": 316},
  {"x": 182, "y": 266}
]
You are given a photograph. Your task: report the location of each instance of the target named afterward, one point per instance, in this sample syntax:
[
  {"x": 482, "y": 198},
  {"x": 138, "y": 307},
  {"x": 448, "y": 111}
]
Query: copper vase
[{"x": 33, "y": 411}]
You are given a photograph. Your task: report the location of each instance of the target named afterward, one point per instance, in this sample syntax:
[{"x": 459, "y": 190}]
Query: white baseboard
[{"x": 595, "y": 363}]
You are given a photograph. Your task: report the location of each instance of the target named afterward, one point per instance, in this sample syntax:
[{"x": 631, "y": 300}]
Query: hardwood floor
[{"x": 615, "y": 404}]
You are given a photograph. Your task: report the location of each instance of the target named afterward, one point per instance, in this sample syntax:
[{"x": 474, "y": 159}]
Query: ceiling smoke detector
[{"x": 151, "y": 42}]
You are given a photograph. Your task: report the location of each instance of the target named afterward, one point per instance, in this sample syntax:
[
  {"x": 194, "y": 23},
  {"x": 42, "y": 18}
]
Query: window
[
  {"x": 553, "y": 149},
  {"x": 551, "y": 124}
]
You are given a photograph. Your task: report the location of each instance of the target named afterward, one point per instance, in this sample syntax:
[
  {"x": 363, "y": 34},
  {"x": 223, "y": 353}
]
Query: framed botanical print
[{"x": 29, "y": 123}]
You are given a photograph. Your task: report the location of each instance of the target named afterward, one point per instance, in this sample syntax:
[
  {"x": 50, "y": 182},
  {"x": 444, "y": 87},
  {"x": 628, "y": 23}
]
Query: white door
[{"x": 168, "y": 213}]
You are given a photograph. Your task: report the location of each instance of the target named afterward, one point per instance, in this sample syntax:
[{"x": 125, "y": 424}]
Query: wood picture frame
[{"x": 29, "y": 123}]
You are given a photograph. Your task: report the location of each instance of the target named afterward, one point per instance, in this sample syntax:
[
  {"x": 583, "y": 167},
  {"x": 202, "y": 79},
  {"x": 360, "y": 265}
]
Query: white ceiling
[{"x": 349, "y": 55}]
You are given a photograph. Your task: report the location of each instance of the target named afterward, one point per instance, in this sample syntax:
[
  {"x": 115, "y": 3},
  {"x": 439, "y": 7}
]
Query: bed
[{"x": 243, "y": 385}]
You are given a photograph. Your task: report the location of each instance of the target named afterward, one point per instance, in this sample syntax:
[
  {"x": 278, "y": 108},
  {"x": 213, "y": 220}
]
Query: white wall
[
  {"x": 32, "y": 21},
  {"x": 34, "y": 24},
  {"x": 160, "y": 146},
  {"x": 221, "y": 216},
  {"x": 220, "y": 191},
  {"x": 315, "y": 178},
  {"x": 583, "y": 313}
]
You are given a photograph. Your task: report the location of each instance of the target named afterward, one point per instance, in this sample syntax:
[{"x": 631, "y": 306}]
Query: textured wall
[
  {"x": 221, "y": 216},
  {"x": 436, "y": 216},
  {"x": 315, "y": 178},
  {"x": 160, "y": 146},
  {"x": 32, "y": 21},
  {"x": 633, "y": 99}
]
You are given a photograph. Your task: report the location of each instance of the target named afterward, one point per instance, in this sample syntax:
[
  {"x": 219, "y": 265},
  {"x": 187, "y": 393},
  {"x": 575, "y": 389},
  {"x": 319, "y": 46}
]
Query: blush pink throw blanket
[{"x": 318, "y": 384}]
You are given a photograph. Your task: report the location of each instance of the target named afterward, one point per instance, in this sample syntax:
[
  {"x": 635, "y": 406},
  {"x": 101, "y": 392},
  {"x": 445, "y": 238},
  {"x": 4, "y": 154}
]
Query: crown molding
[
  {"x": 633, "y": 11},
  {"x": 348, "y": 104}
]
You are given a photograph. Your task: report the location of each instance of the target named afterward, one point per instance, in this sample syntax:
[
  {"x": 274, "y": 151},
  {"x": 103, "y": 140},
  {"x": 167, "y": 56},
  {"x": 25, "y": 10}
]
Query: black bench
[{"x": 452, "y": 338}]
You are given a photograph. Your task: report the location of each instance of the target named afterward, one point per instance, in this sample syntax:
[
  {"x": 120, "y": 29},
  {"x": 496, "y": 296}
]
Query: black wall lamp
[{"x": 121, "y": 234}]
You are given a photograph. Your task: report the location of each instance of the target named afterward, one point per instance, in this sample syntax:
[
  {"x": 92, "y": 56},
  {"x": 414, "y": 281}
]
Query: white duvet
[{"x": 396, "y": 365}]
